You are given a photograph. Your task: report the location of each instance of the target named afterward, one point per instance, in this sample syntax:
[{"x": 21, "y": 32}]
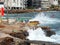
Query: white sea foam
[
  {"x": 56, "y": 37},
  {"x": 39, "y": 35},
  {"x": 43, "y": 19}
]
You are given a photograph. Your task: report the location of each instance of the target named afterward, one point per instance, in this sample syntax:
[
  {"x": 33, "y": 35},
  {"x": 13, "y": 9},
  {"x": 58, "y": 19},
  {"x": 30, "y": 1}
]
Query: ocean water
[
  {"x": 39, "y": 35},
  {"x": 50, "y": 18}
]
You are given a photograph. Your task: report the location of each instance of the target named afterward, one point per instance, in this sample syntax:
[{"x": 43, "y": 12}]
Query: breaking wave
[
  {"x": 39, "y": 34},
  {"x": 43, "y": 19}
]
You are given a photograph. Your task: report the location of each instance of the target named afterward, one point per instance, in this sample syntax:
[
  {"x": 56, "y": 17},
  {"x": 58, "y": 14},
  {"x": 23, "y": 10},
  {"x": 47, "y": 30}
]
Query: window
[
  {"x": 20, "y": 7},
  {"x": 14, "y": 8},
  {"x": 8, "y": 7},
  {"x": 1, "y": 3},
  {"x": 20, "y": 3},
  {"x": 17, "y": 7},
  {"x": 14, "y": 0}
]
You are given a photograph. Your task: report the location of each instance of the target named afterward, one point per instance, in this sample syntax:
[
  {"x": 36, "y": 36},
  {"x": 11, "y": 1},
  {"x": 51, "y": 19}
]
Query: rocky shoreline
[
  {"x": 16, "y": 33},
  {"x": 27, "y": 11}
]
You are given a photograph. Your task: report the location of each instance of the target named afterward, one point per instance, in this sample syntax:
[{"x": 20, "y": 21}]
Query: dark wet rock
[
  {"x": 21, "y": 35},
  {"x": 45, "y": 28},
  {"x": 7, "y": 41},
  {"x": 50, "y": 33},
  {"x": 25, "y": 43}
]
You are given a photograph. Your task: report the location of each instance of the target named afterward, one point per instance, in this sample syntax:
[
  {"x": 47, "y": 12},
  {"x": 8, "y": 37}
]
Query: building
[
  {"x": 39, "y": 3},
  {"x": 22, "y": 4},
  {"x": 45, "y": 4},
  {"x": 34, "y": 3},
  {"x": 29, "y": 3},
  {"x": 53, "y": 2},
  {"x": 15, "y": 4},
  {"x": 59, "y": 2}
]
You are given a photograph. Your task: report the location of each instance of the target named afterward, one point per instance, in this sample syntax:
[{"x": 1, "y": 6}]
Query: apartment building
[
  {"x": 45, "y": 4},
  {"x": 39, "y": 3},
  {"x": 22, "y": 4},
  {"x": 15, "y": 4},
  {"x": 34, "y": 3},
  {"x": 53, "y": 2},
  {"x": 29, "y": 3},
  {"x": 59, "y": 2}
]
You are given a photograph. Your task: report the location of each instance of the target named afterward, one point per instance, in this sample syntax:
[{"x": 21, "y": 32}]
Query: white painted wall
[
  {"x": 53, "y": 2},
  {"x": 45, "y": 4},
  {"x": 15, "y": 3}
]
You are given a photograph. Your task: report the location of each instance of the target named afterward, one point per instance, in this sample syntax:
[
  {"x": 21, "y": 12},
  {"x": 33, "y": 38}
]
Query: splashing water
[
  {"x": 56, "y": 37},
  {"x": 43, "y": 19},
  {"x": 39, "y": 34}
]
